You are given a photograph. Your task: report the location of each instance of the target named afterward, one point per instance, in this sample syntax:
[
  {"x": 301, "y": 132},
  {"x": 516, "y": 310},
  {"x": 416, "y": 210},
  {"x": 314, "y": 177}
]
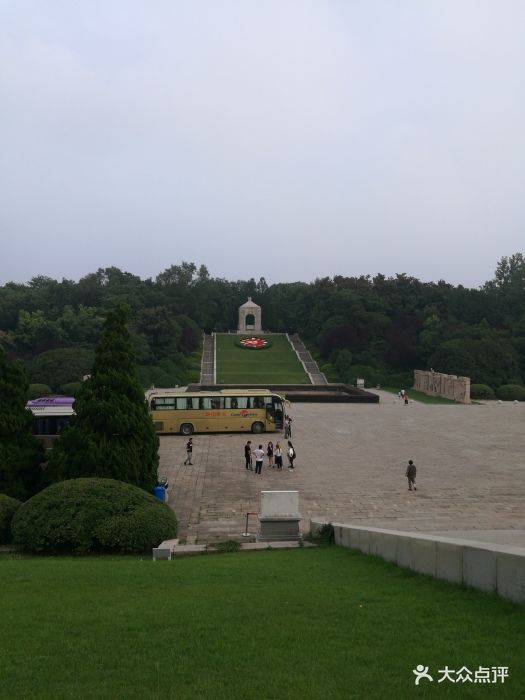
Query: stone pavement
[{"x": 351, "y": 465}]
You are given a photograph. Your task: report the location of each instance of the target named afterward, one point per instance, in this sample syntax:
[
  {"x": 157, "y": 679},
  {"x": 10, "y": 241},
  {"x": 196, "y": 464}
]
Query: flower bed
[{"x": 253, "y": 343}]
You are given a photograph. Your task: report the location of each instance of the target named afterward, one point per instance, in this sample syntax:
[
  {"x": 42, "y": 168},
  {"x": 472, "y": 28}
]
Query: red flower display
[{"x": 254, "y": 343}]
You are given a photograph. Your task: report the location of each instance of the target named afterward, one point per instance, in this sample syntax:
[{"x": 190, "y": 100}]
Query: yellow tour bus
[{"x": 228, "y": 410}]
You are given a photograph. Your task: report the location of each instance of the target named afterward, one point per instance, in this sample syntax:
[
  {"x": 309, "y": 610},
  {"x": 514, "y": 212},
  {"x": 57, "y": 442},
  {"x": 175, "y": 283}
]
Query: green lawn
[
  {"x": 277, "y": 364},
  {"x": 298, "y": 624}
]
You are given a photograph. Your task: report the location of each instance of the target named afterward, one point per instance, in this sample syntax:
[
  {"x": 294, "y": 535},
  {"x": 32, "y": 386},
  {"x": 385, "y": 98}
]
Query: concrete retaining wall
[{"x": 488, "y": 567}]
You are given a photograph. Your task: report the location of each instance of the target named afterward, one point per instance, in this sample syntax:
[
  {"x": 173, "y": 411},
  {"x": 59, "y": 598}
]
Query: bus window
[
  {"x": 230, "y": 402},
  {"x": 217, "y": 402},
  {"x": 257, "y": 402},
  {"x": 182, "y": 403},
  {"x": 164, "y": 403},
  {"x": 242, "y": 402},
  {"x": 205, "y": 403}
]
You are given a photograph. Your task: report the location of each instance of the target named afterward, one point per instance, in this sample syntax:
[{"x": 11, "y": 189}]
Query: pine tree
[
  {"x": 111, "y": 435},
  {"x": 21, "y": 455}
]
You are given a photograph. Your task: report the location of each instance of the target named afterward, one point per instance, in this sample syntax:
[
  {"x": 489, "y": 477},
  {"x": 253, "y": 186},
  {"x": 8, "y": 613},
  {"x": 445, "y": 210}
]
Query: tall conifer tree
[
  {"x": 111, "y": 434},
  {"x": 21, "y": 455}
]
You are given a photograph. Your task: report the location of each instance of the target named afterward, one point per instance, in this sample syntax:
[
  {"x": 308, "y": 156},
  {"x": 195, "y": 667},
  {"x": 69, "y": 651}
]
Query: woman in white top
[{"x": 291, "y": 455}]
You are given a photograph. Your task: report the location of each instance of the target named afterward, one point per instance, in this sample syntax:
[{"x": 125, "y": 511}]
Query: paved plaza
[{"x": 351, "y": 468}]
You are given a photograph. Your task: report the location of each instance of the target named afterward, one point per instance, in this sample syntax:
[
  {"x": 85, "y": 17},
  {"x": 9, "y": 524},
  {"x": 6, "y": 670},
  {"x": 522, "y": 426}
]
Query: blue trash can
[{"x": 160, "y": 493}]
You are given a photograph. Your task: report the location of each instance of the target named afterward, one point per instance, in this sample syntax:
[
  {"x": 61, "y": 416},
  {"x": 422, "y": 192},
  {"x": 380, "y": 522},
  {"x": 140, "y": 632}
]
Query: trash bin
[{"x": 160, "y": 493}]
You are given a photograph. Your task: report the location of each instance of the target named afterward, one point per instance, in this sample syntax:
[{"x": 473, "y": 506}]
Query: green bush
[
  {"x": 70, "y": 389},
  {"x": 92, "y": 515},
  {"x": 511, "y": 392},
  {"x": 481, "y": 391},
  {"x": 8, "y": 507},
  {"x": 38, "y": 390}
]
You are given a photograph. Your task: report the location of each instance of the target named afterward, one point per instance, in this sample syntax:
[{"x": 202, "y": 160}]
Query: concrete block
[
  {"x": 449, "y": 562},
  {"x": 404, "y": 552},
  {"x": 161, "y": 553},
  {"x": 345, "y": 536},
  {"x": 424, "y": 556},
  {"x": 278, "y": 529},
  {"x": 364, "y": 541},
  {"x": 479, "y": 568},
  {"x": 280, "y": 503},
  {"x": 511, "y": 576},
  {"x": 376, "y": 542},
  {"x": 389, "y": 547},
  {"x": 354, "y": 538},
  {"x": 338, "y": 534}
]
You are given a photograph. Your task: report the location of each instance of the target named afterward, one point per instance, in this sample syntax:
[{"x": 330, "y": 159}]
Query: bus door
[{"x": 278, "y": 413}]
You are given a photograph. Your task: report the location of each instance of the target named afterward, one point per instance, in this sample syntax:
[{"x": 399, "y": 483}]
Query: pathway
[{"x": 350, "y": 468}]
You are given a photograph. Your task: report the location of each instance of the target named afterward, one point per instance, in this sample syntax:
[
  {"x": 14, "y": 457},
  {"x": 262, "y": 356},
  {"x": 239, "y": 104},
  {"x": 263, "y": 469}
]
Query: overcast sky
[{"x": 290, "y": 139}]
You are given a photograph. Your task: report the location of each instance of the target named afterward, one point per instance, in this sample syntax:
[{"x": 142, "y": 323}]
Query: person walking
[
  {"x": 286, "y": 427},
  {"x": 278, "y": 456},
  {"x": 189, "y": 451},
  {"x": 290, "y": 421},
  {"x": 411, "y": 475},
  {"x": 269, "y": 452},
  {"x": 248, "y": 454},
  {"x": 259, "y": 456},
  {"x": 405, "y": 397},
  {"x": 291, "y": 455}
]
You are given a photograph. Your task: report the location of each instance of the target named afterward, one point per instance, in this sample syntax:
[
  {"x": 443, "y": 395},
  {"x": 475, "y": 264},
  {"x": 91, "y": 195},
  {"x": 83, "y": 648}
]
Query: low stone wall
[
  {"x": 448, "y": 386},
  {"x": 490, "y": 568}
]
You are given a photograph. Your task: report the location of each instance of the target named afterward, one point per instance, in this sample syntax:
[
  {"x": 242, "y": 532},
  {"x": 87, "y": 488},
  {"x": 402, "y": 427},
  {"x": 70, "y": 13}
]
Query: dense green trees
[
  {"x": 112, "y": 434},
  {"x": 389, "y": 325},
  {"x": 20, "y": 454}
]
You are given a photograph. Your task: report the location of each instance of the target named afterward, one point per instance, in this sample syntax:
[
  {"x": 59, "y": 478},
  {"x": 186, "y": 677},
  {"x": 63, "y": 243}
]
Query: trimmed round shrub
[
  {"x": 70, "y": 389},
  {"x": 8, "y": 507},
  {"x": 38, "y": 390},
  {"x": 511, "y": 392},
  {"x": 92, "y": 515},
  {"x": 481, "y": 391}
]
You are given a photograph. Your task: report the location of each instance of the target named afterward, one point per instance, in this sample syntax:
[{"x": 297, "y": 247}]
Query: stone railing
[
  {"x": 447, "y": 386},
  {"x": 491, "y": 568}
]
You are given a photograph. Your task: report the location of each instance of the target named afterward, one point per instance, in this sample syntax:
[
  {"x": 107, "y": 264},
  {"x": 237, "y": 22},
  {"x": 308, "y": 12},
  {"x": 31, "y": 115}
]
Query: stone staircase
[
  {"x": 208, "y": 360},
  {"x": 308, "y": 361}
]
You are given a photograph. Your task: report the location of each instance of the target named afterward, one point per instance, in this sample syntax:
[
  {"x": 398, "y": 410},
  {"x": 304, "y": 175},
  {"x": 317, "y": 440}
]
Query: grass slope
[
  {"x": 277, "y": 364},
  {"x": 303, "y": 624}
]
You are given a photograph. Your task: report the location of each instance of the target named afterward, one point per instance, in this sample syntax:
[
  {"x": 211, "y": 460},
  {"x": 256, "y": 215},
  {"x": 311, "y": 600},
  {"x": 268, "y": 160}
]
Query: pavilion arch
[{"x": 249, "y": 317}]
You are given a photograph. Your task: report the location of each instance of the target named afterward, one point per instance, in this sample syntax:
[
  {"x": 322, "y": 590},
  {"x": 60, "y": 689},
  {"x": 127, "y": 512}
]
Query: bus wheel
[
  {"x": 257, "y": 427},
  {"x": 186, "y": 429}
]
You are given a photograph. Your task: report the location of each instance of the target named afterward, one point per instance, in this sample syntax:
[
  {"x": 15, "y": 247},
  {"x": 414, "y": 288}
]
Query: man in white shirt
[{"x": 259, "y": 456}]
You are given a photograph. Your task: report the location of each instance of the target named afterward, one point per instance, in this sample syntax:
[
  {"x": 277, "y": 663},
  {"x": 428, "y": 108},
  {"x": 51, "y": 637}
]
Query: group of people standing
[{"x": 274, "y": 454}]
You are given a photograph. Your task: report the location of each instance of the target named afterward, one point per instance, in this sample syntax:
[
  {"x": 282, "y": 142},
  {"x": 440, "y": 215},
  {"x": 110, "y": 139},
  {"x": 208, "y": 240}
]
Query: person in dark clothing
[
  {"x": 411, "y": 475},
  {"x": 189, "y": 451},
  {"x": 248, "y": 454}
]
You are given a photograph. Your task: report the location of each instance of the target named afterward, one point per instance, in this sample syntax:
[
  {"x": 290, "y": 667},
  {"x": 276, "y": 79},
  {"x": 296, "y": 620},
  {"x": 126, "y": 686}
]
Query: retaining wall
[{"x": 490, "y": 568}]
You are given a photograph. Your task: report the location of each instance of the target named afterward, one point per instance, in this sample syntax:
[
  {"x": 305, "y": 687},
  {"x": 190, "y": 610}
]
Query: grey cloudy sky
[{"x": 289, "y": 139}]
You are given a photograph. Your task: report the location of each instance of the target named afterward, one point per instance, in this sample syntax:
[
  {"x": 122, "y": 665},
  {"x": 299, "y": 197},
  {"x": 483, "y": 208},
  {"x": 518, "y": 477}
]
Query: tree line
[{"x": 380, "y": 328}]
